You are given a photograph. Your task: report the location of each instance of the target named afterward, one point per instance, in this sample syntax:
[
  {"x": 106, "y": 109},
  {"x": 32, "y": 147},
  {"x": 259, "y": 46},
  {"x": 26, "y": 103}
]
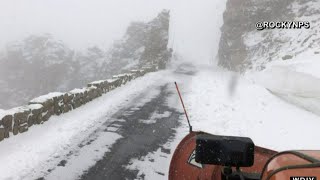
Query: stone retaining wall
[{"x": 20, "y": 119}]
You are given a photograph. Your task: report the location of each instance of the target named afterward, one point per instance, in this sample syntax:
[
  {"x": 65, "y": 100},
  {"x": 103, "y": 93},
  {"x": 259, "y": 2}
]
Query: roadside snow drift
[
  {"x": 297, "y": 80},
  {"x": 250, "y": 110},
  {"x": 224, "y": 103}
]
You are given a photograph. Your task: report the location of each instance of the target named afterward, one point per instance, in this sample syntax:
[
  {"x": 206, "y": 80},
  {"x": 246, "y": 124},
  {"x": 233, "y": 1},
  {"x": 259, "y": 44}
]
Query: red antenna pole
[{"x": 185, "y": 112}]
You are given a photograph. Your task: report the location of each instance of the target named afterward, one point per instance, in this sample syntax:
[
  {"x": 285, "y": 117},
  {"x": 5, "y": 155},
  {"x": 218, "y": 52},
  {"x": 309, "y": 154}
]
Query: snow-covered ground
[
  {"x": 290, "y": 58},
  {"x": 296, "y": 80},
  {"x": 218, "y": 102},
  {"x": 249, "y": 110},
  {"x": 299, "y": 74},
  {"x": 31, "y": 154},
  {"x": 221, "y": 102}
]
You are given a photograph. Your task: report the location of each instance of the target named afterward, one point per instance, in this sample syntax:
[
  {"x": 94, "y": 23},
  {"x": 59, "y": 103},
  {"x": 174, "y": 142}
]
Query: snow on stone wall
[{"x": 40, "y": 109}]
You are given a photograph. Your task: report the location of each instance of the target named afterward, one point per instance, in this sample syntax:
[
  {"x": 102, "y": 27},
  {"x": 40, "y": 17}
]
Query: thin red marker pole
[{"x": 185, "y": 112}]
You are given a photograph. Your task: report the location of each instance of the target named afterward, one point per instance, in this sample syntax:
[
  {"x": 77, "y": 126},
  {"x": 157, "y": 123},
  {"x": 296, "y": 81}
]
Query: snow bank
[
  {"x": 284, "y": 80},
  {"x": 307, "y": 62},
  {"x": 297, "y": 80},
  {"x": 250, "y": 111}
]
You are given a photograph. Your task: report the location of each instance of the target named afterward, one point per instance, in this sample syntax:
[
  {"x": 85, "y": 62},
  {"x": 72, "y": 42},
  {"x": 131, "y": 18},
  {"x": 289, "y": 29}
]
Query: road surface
[{"x": 144, "y": 125}]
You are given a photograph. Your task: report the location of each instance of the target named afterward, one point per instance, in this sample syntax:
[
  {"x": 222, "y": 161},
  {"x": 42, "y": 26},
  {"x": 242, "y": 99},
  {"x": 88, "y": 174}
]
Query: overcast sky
[{"x": 83, "y": 23}]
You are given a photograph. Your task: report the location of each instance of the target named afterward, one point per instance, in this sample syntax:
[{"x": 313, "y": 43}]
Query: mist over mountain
[
  {"x": 40, "y": 64},
  {"x": 143, "y": 43},
  {"x": 37, "y": 64}
]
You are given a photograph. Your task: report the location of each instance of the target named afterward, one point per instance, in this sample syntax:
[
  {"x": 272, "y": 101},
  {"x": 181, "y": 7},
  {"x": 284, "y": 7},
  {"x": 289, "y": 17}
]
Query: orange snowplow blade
[{"x": 184, "y": 166}]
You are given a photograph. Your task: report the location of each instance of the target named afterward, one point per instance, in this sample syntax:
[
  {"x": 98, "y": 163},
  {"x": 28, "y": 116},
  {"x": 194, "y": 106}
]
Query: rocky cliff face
[
  {"x": 41, "y": 64},
  {"x": 143, "y": 43},
  {"x": 243, "y": 47}
]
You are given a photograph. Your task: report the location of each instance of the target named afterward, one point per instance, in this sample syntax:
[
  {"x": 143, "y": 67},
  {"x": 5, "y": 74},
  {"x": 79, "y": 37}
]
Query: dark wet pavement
[
  {"x": 139, "y": 137},
  {"x": 145, "y": 124}
]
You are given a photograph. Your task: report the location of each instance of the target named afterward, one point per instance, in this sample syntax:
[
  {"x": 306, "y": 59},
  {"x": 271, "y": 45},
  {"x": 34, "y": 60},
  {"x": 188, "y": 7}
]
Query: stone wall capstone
[{"x": 40, "y": 109}]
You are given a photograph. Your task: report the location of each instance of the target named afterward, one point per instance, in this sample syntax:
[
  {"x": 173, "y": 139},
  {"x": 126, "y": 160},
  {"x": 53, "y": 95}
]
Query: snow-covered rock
[
  {"x": 285, "y": 44},
  {"x": 242, "y": 46},
  {"x": 287, "y": 58}
]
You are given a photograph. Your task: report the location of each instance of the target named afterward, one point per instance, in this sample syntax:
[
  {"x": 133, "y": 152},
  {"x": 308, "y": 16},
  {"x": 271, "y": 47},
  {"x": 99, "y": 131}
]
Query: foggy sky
[
  {"x": 83, "y": 23},
  {"x": 195, "y": 29}
]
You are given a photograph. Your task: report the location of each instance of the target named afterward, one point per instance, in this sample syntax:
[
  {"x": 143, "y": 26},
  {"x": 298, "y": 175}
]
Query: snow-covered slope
[
  {"x": 287, "y": 58},
  {"x": 296, "y": 81},
  {"x": 285, "y": 44},
  {"x": 242, "y": 46},
  {"x": 290, "y": 58}
]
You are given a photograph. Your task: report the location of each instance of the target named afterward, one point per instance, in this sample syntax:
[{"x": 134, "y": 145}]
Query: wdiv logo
[{"x": 303, "y": 178}]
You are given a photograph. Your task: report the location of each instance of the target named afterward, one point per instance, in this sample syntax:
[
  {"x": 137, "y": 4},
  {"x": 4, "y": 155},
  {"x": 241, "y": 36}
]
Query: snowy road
[
  {"x": 145, "y": 124},
  {"x": 103, "y": 137},
  {"x": 143, "y": 129},
  {"x": 132, "y": 131}
]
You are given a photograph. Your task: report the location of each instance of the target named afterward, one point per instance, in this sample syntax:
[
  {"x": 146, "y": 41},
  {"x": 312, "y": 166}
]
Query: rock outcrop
[
  {"x": 243, "y": 47},
  {"x": 143, "y": 43}
]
